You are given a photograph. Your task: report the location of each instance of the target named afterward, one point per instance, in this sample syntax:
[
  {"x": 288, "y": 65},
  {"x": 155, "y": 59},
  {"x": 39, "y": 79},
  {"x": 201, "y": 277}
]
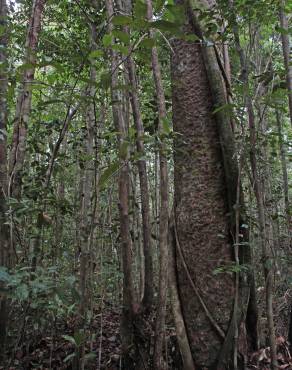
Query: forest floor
[{"x": 56, "y": 349}]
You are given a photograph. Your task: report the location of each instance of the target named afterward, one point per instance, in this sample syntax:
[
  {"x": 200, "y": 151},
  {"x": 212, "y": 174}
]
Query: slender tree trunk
[
  {"x": 23, "y": 106},
  {"x": 88, "y": 195},
  {"x": 147, "y": 299},
  {"x": 59, "y": 221},
  {"x": 126, "y": 242},
  {"x": 87, "y": 180},
  {"x": 145, "y": 202},
  {"x": 284, "y": 168},
  {"x": 181, "y": 332},
  {"x": 5, "y": 253},
  {"x": 259, "y": 195},
  {"x": 286, "y": 200},
  {"x": 268, "y": 271},
  {"x": 164, "y": 207},
  {"x": 286, "y": 53},
  {"x": 36, "y": 243}
]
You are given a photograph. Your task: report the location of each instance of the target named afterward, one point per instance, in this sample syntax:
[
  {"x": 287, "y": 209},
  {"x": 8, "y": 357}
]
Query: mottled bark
[
  {"x": 201, "y": 204},
  {"x": 206, "y": 196},
  {"x": 23, "y": 105},
  {"x": 158, "y": 361}
]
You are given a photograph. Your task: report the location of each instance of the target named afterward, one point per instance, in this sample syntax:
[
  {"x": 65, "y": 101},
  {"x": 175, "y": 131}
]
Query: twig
[{"x": 222, "y": 69}]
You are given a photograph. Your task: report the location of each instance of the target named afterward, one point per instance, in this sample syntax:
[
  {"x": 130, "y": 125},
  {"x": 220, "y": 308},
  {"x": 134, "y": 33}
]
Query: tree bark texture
[
  {"x": 283, "y": 155},
  {"x": 3, "y": 133},
  {"x": 259, "y": 190},
  {"x": 201, "y": 201},
  {"x": 126, "y": 242},
  {"x": 23, "y": 105},
  {"x": 87, "y": 185},
  {"x": 147, "y": 299},
  {"x": 286, "y": 53},
  {"x": 164, "y": 206}
]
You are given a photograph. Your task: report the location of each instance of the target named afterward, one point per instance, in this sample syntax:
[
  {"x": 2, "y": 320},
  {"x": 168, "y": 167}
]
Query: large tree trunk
[
  {"x": 207, "y": 191},
  {"x": 200, "y": 205}
]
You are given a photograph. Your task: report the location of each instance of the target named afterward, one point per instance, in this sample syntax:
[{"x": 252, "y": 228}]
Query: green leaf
[
  {"x": 175, "y": 13},
  {"x": 141, "y": 24},
  {"x": 107, "y": 40},
  {"x": 2, "y": 30},
  {"x": 108, "y": 173},
  {"x": 69, "y": 357},
  {"x": 95, "y": 54},
  {"x": 25, "y": 66},
  {"x": 282, "y": 30},
  {"x": 148, "y": 43},
  {"x": 191, "y": 37},
  {"x": 22, "y": 292},
  {"x": 121, "y": 20},
  {"x": 140, "y": 9},
  {"x": 52, "y": 101},
  {"x": 4, "y": 275},
  {"x": 90, "y": 356},
  {"x": 105, "y": 79},
  {"x": 123, "y": 36},
  {"x": 70, "y": 339},
  {"x": 124, "y": 87},
  {"x": 158, "y": 5},
  {"x": 165, "y": 26},
  {"x": 121, "y": 49},
  {"x": 124, "y": 150},
  {"x": 79, "y": 337},
  {"x": 166, "y": 125},
  {"x": 225, "y": 107}
]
